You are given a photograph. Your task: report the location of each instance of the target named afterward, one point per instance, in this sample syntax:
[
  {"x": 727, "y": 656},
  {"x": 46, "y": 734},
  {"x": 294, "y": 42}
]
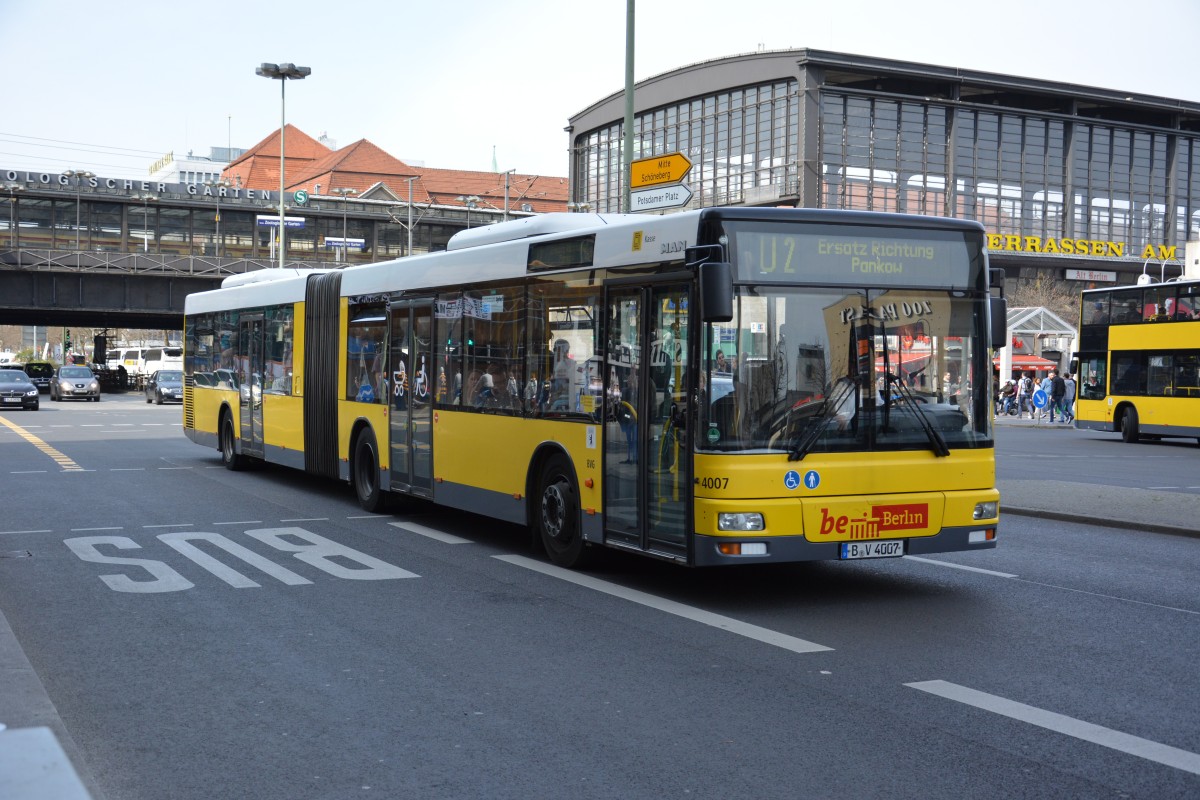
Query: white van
[{"x": 155, "y": 358}]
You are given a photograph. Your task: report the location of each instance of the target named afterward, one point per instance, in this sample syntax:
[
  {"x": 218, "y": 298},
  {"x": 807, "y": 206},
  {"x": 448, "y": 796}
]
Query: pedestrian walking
[
  {"x": 1058, "y": 390},
  {"x": 1047, "y": 387},
  {"x": 1025, "y": 396},
  {"x": 1069, "y": 399}
]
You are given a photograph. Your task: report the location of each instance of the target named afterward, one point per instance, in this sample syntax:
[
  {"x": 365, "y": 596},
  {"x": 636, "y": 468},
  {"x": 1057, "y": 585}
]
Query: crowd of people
[{"x": 1016, "y": 396}]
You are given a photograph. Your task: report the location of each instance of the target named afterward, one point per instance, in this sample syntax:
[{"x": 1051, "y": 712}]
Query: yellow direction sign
[{"x": 658, "y": 170}]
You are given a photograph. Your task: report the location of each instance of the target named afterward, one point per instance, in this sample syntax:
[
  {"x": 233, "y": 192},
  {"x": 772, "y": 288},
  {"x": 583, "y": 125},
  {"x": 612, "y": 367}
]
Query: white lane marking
[
  {"x": 959, "y": 566},
  {"x": 28, "y": 472},
  {"x": 765, "y": 635},
  {"x": 80, "y": 530},
  {"x": 174, "y": 467},
  {"x": 1108, "y": 596},
  {"x": 369, "y": 516},
  {"x": 90, "y": 425},
  {"x": 1059, "y": 723},
  {"x": 7, "y": 533},
  {"x": 308, "y": 519},
  {"x": 444, "y": 538},
  {"x": 128, "y": 469},
  {"x": 173, "y": 525},
  {"x": 241, "y": 522}
]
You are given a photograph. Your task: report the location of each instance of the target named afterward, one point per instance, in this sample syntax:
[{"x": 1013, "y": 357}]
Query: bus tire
[
  {"x": 1129, "y": 426},
  {"x": 365, "y": 473},
  {"x": 557, "y": 514},
  {"x": 229, "y": 454}
]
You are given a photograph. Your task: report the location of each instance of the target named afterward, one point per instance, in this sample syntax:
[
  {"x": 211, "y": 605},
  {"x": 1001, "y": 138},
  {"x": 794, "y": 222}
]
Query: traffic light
[{"x": 67, "y": 343}]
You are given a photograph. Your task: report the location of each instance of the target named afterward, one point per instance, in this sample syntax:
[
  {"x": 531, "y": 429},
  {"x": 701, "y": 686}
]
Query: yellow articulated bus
[
  {"x": 1139, "y": 360},
  {"x": 721, "y": 386}
]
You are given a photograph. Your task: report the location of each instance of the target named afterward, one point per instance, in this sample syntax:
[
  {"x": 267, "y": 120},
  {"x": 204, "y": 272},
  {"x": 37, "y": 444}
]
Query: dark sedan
[
  {"x": 17, "y": 391},
  {"x": 165, "y": 386}
]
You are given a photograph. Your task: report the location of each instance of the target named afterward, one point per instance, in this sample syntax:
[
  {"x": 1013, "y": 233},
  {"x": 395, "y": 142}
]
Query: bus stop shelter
[{"x": 1033, "y": 325}]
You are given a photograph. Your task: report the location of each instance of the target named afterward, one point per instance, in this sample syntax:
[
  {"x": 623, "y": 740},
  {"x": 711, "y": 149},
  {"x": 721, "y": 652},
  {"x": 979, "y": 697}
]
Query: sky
[{"x": 473, "y": 85}]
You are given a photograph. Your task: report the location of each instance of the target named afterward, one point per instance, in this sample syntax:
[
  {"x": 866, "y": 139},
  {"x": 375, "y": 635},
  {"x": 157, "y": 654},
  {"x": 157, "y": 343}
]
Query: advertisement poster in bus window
[{"x": 909, "y": 317}]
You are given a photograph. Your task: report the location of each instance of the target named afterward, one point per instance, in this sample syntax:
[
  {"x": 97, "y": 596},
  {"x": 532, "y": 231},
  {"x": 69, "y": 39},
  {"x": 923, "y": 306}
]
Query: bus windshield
[{"x": 802, "y": 369}]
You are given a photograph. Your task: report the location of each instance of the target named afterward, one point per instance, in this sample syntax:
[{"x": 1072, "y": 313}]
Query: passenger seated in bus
[
  {"x": 1099, "y": 316},
  {"x": 484, "y": 393}
]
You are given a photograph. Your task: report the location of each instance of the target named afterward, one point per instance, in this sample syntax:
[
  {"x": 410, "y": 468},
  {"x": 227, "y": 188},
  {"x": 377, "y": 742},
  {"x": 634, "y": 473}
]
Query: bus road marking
[
  {"x": 960, "y": 566},
  {"x": 444, "y": 538},
  {"x": 1059, "y": 723},
  {"x": 62, "y": 460},
  {"x": 765, "y": 635}
]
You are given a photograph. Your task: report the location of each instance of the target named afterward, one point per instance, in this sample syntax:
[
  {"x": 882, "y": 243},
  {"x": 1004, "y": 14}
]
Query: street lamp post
[
  {"x": 282, "y": 73},
  {"x": 344, "y": 192},
  {"x": 218, "y": 187},
  {"x": 470, "y": 200},
  {"x": 80, "y": 176},
  {"x": 408, "y": 252}
]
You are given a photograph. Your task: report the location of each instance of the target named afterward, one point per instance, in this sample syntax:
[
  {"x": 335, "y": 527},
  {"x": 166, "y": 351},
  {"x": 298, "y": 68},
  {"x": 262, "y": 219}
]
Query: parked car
[
  {"x": 165, "y": 385},
  {"x": 74, "y": 382},
  {"x": 41, "y": 373},
  {"x": 16, "y": 390}
]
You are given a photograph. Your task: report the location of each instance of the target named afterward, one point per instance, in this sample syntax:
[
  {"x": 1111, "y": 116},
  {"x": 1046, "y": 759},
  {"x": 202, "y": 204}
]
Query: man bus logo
[{"x": 907, "y": 516}]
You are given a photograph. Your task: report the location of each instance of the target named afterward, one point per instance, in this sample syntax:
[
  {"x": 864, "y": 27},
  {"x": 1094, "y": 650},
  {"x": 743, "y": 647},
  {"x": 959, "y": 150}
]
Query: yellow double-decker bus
[
  {"x": 720, "y": 386},
  {"x": 1139, "y": 360}
]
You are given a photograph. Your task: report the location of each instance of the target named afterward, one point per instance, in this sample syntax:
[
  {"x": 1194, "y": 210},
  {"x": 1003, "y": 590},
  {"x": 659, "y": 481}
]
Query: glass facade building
[{"x": 1050, "y": 169}]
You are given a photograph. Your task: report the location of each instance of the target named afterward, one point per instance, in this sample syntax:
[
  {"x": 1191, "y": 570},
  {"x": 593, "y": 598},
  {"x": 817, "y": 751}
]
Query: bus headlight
[
  {"x": 750, "y": 521},
  {"x": 986, "y": 510}
]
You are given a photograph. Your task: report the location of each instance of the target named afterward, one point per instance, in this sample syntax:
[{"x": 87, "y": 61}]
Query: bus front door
[
  {"x": 647, "y": 460},
  {"x": 412, "y": 388},
  {"x": 251, "y": 368}
]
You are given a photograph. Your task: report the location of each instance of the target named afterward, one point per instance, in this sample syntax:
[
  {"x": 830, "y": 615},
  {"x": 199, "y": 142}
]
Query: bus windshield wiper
[
  {"x": 842, "y": 389},
  {"x": 940, "y": 448}
]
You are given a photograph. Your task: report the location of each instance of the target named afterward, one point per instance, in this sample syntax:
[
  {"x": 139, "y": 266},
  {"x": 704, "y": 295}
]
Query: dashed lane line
[
  {"x": 431, "y": 533},
  {"x": 59, "y": 458},
  {"x": 765, "y": 635},
  {"x": 960, "y": 566},
  {"x": 1059, "y": 723}
]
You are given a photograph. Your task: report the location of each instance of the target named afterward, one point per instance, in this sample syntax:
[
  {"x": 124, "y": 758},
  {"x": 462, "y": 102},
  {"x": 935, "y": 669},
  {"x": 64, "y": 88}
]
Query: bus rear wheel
[
  {"x": 1129, "y": 426},
  {"x": 557, "y": 514},
  {"x": 365, "y": 476},
  {"x": 229, "y": 453}
]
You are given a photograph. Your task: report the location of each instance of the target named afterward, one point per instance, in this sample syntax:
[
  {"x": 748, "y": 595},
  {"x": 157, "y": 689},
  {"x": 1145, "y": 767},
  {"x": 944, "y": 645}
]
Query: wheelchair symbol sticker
[{"x": 792, "y": 479}]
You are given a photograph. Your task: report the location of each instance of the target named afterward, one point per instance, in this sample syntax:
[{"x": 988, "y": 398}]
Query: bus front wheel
[
  {"x": 557, "y": 512},
  {"x": 366, "y": 473},
  {"x": 1129, "y": 426}
]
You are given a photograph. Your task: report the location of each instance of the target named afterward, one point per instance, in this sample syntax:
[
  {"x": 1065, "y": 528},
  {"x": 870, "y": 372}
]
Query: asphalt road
[
  {"x": 200, "y": 633},
  {"x": 1028, "y": 450}
]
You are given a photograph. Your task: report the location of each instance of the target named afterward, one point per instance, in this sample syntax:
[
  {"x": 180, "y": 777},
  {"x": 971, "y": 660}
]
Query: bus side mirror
[
  {"x": 999, "y": 315},
  {"x": 716, "y": 291}
]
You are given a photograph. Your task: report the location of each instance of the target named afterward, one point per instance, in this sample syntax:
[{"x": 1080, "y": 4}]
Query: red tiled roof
[
  {"x": 258, "y": 167},
  {"x": 365, "y": 167}
]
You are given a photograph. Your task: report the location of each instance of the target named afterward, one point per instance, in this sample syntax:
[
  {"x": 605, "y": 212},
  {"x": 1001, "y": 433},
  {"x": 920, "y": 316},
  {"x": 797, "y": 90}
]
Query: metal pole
[
  {"x": 410, "y": 182},
  {"x": 627, "y": 150},
  {"x": 282, "y": 127},
  {"x": 77, "y": 204},
  {"x": 345, "y": 249}
]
